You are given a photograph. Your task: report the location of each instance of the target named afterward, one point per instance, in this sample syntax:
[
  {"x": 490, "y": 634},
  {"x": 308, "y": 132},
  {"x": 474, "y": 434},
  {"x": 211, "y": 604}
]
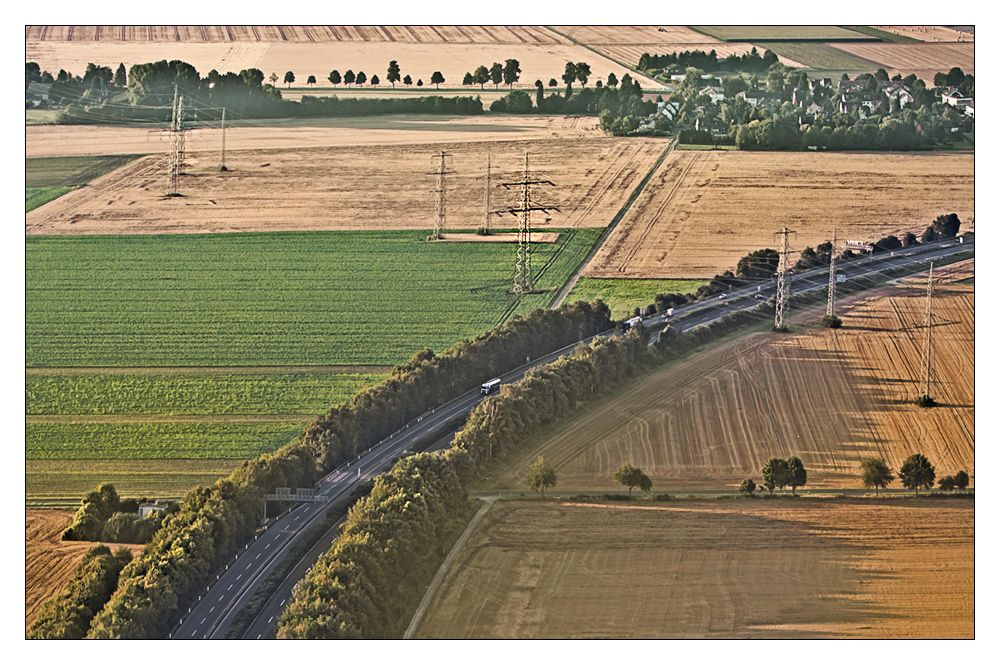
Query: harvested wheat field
[
  {"x": 49, "y": 562},
  {"x": 633, "y": 34},
  {"x": 69, "y": 140},
  {"x": 924, "y": 60},
  {"x": 929, "y": 33},
  {"x": 831, "y": 397},
  {"x": 862, "y": 568},
  {"x": 360, "y": 188},
  {"x": 704, "y": 210}
]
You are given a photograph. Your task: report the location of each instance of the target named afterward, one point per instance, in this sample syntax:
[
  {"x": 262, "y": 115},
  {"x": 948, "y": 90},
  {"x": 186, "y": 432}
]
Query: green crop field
[
  {"x": 624, "y": 295},
  {"x": 70, "y": 171},
  {"x": 257, "y": 299},
  {"x": 124, "y": 393},
  {"x": 821, "y": 56},
  {"x": 158, "y": 440},
  {"x": 35, "y": 197},
  {"x": 752, "y": 33}
]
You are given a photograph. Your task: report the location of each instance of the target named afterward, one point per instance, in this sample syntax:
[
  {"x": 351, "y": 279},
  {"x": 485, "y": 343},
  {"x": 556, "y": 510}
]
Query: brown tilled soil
[
  {"x": 829, "y": 397},
  {"x": 356, "y": 188},
  {"x": 704, "y": 210},
  {"x": 861, "y": 568},
  {"x": 49, "y": 562}
]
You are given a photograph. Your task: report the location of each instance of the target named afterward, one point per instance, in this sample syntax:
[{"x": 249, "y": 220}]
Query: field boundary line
[
  {"x": 446, "y": 566},
  {"x": 571, "y": 282}
]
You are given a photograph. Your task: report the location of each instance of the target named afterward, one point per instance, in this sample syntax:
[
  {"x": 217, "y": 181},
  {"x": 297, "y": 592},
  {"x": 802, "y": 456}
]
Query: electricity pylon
[
  {"x": 439, "y": 213},
  {"x": 222, "y": 153},
  {"x": 831, "y": 300},
  {"x": 926, "y": 369},
  {"x": 523, "y": 282},
  {"x": 176, "y": 143},
  {"x": 784, "y": 281},
  {"x": 486, "y": 199}
]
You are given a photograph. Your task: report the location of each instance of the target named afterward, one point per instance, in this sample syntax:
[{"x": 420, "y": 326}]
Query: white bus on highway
[{"x": 491, "y": 386}]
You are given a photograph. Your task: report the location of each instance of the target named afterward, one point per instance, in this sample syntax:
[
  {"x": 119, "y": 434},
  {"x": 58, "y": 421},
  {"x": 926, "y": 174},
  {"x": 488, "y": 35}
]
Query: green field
[
  {"x": 35, "y": 197},
  {"x": 159, "y": 441},
  {"x": 124, "y": 393},
  {"x": 70, "y": 171},
  {"x": 624, "y": 295},
  {"x": 882, "y": 34},
  {"x": 259, "y": 299},
  {"x": 756, "y": 33},
  {"x": 821, "y": 56}
]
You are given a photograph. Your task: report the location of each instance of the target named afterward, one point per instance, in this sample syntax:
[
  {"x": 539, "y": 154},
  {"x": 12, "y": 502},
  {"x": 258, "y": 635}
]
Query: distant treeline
[{"x": 710, "y": 62}]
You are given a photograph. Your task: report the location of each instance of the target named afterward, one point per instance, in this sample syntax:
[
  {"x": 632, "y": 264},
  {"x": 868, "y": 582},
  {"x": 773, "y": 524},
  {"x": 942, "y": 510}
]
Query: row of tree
[
  {"x": 67, "y": 615},
  {"x": 709, "y": 62},
  {"x": 917, "y": 472}
]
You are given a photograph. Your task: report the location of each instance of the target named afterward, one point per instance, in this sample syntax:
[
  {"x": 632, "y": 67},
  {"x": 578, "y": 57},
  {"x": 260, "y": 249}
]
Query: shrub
[{"x": 831, "y": 321}]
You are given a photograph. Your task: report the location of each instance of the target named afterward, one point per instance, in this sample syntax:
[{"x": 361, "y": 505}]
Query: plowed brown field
[
  {"x": 703, "y": 210},
  {"x": 50, "y": 563},
  {"x": 831, "y": 397},
  {"x": 373, "y": 187},
  {"x": 924, "y": 60},
  {"x": 860, "y": 568}
]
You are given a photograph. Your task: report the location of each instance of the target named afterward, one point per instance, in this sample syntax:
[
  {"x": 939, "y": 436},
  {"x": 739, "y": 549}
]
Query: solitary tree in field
[
  {"x": 334, "y": 77},
  {"x": 775, "y": 473},
  {"x": 961, "y": 480},
  {"x": 796, "y": 473},
  {"x": 392, "y": 75},
  {"x": 467, "y": 79},
  {"x": 437, "y": 79},
  {"x": 553, "y": 83},
  {"x": 289, "y": 78},
  {"x": 540, "y": 475},
  {"x": 876, "y": 473},
  {"x": 916, "y": 472},
  {"x": 273, "y": 78},
  {"x": 311, "y": 80},
  {"x": 747, "y": 487},
  {"x": 630, "y": 477},
  {"x": 374, "y": 79}
]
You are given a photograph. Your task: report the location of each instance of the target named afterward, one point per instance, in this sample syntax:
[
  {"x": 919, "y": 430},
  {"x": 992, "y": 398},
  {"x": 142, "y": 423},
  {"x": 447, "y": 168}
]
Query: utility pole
[
  {"x": 926, "y": 369},
  {"x": 523, "y": 282},
  {"x": 831, "y": 301},
  {"x": 439, "y": 213},
  {"x": 222, "y": 154},
  {"x": 784, "y": 281}
]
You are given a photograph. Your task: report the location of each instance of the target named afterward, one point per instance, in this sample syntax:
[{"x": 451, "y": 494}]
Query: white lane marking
[
  {"x": 298, "y": 516},
  {"x": 255, "y": 558},
  {"x": 278, "y": 536},
  {"x": 281, "y": 603},
  {"x": 193, "y": 633},
  {"x": 265, "y": 547},
  {"x": 230, "y": 586},
  {"x": 202, "y": 621},
  {"x": 270, "y": 620},
  {"x": 212, "y": 610},
  {"x": 239, "y": 576},
  {"x": 248, "y": 566}
]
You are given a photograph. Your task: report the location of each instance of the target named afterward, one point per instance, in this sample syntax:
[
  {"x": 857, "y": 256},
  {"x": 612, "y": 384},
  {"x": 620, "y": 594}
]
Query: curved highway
[{"x": 217, "y": 606}]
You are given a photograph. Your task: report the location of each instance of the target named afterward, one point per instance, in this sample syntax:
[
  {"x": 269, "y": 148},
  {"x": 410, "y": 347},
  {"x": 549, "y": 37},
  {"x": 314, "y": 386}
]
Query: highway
[{"x": 216, "y": 608}]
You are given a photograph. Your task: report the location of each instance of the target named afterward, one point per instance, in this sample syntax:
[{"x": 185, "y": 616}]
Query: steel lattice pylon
[
  {"x": 831, "y": 301},
  {"x": 176, "y": 143},
  {"x": 784, "y": 281},
  {"x": 523, "y": 279}
]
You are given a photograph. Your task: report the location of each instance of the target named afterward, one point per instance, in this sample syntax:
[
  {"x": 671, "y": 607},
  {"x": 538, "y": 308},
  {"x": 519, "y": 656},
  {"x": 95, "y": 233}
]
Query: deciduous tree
[
  {"x": 797, "y": 474},
  {"x": 582, "y": 73},
  {"x": 961, "y": 480},
  {"x": 120, "y": 77},
  {"x": 349, "y": 77},
  {"x": 511, "y": 70},
  {"x": 311, "y": 80},
  {"x": 392, "y": 74},
  {"x": 481, "y": 76},
  {"x": 775, "y": 473},
  {"x": 876, "y": 473},
  {"x": 407, "y": 80},
  {"x": 612, "y": 80},
  {"x": 334, "y": 77},
  {"x": 630, "y": 477},
  {"x": 289, "y": 78},
  {"x": 916, "y": 472},
  {"x": 540, "y": 475},
  {"x": 467, "y": 79},
  {"x": 360, "y": 78},
  {"x": 437, "y": 79},
  {"x": 747, "y": 487},
  {"x": 496, "y": 74}
]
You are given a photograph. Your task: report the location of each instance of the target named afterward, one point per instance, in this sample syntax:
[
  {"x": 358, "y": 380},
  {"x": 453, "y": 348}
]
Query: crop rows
[
  {"x": 334, "y": 298},
  {"x": 229, "y": 394},
  {"x": 70, "y": 171},
  {"x": 155, "y": 441},
  {"x": 624, "y": 295}
]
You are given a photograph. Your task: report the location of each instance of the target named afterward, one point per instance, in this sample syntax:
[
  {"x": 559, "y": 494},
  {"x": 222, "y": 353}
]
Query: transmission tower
[
  {"x": 439, "y": 221},
  {"x": 222, "y": 153},
  {"x": 523, "y": 282},
  {"x": 784, "y": 281},
  {"x": 926, "y": 369},
  {"x": 486, "y": 199},
  {"x": 176, "y": 143},
  {"x": 832, "y": 300}
]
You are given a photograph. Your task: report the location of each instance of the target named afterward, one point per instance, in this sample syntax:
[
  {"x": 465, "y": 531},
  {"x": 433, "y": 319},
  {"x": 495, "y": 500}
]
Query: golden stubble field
[
  {"x": 355, "y": 188},
  {"x": 831, "y": 397},
  {"x": 861, "y": 568},
  {"x": 316, "y": 50},
  {"x": 704, "y": 210},
  {"x": 49, "y": 562},
  {"x": 924, "y": 60}
]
